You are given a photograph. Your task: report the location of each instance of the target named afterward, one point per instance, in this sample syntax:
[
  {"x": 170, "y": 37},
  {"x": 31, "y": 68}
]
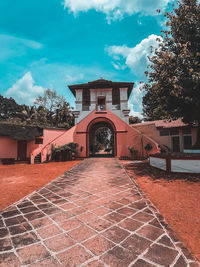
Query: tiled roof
[{"x": 163, "y": 123}]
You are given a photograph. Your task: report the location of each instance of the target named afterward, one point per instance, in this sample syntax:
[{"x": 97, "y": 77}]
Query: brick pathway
[{"x": 93, "y": 215}]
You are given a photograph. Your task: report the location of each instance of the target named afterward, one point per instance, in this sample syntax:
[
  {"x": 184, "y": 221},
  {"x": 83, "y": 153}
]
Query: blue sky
[{"x": 54, "y": 43}]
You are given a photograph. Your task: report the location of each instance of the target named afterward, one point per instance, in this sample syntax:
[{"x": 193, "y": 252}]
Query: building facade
[{"x": 101, "y": 95}]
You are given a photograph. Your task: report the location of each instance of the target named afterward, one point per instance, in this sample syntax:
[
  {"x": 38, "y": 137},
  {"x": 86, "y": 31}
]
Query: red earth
[
  {"x": 17, "y": 181},
  {"x": 176, "y": 196}
]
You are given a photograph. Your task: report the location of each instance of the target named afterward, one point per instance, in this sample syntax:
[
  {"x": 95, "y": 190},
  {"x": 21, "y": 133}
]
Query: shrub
[{"x": 64, "y": 153}]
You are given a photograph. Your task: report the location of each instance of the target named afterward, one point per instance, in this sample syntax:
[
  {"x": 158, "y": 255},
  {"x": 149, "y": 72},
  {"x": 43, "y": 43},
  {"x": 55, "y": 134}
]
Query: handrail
[
  {"x": 153, "y": 141},
  {"x": 43, "y": 147},
  {"x": 52, "y": 141}
]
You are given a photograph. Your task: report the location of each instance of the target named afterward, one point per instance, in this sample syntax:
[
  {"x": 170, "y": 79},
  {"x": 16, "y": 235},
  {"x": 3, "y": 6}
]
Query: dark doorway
[
  {"x": 175, "y": 144},
  {"x": 21, "y": 150},
  {"x": 101, "y": 140},
  {"x": 101, "y": 103}
]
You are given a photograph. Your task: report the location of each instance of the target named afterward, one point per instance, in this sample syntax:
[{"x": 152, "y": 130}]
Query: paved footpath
[{"x": 93, "y": 215}]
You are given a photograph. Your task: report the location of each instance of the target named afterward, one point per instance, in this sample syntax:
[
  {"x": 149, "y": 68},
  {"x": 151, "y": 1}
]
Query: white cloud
[
  {"x": 116, "y": 9},
  {"x": 135, "y": 57},
  {"x": 15, "y": 46},
  {"x": 24, "y": 91},
  {"x": 135, "y": 101}
]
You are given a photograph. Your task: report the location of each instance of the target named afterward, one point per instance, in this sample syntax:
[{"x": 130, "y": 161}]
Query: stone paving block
[
  {"x": 114, "y": 217},
  {"x": 32, "y": 253},
  {"x": 74, "y": 256},
  {"x": 50, "y": 262},
  {"x": 161, "y": 255},
  {"x": 58, "y": 243},
  {"x": 127, "y": 211},
  {"x": 81, "y": 233},
  {"x": 87, "y": 217},
  {"x": 42, "y": 222},
  {"x": 98, "y": 244},
  {"x": 142, "y": 216},
  {"x": 5, "y": 244},
  {"x": 62, "y": 216},
  {"x": 116, "y": 234},
  {"x": 94, "y": 263},
  {"x": 34, "y": 215},
  {"x": 101, "y": 211},
  {"x": 3, "y": 232},
  {"x": 70, "y": 224},
  {"x": 9, "y": 259},
  {"x": 142, "y": 263},
  {"x": 24, "y": 239},
  {"x": 136, "y": 243},
  {"x": 130, "y": 224},
  {"x": 100, "y": 224},
  {"x": 118, "y": 257},
  {"x": 48, "y": 231},
  {"x": 150, "y": 232},
  {"x": 19, "y": 229},
  {"x": 166, "y": 241}
]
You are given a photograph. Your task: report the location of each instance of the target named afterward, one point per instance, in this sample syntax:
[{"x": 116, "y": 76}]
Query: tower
[{"x": 102, "y": 95}]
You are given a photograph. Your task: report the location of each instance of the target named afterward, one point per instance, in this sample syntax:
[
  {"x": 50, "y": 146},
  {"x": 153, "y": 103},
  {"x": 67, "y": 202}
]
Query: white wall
[
  {"x": 188, "y": 166},
  {"x": 107, "y": 92},
  {"x": 158, "y": 163}
]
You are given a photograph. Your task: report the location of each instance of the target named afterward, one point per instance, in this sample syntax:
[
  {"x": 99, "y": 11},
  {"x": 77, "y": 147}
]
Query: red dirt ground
[
  {"x": 176, "y": 196},
  {"x": 17, "y": 181}
]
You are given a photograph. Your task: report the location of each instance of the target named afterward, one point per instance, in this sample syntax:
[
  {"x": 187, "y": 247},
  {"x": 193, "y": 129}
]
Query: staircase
[{"x": 37, "y": 158}]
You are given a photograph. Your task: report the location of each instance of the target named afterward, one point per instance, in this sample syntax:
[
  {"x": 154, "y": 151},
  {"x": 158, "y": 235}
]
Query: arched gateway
[
  {"x": 101, "y": 120},
  {"x": 101, "y": 138}
]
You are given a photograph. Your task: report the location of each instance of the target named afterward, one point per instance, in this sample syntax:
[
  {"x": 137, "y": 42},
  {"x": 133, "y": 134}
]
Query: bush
[{"x": 64, "y": 153}]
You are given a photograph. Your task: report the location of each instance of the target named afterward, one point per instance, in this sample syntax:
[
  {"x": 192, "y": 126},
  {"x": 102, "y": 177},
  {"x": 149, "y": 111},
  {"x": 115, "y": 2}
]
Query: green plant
[
  {"x": 148, "y": 147},
  {"x": 133, "y": 151},
  {"x": 65, "y": 152}
]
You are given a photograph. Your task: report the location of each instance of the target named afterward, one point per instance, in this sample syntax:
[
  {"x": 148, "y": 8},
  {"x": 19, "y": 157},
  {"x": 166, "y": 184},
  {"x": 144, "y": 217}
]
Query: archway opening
[{"x": 101, "y": 140}]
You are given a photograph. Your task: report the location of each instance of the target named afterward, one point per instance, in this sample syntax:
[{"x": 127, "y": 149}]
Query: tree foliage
[
  {"x": 133, "y": 120},
  {"x": 49, "y": 110},
  {"x": 173, "y": 88}
]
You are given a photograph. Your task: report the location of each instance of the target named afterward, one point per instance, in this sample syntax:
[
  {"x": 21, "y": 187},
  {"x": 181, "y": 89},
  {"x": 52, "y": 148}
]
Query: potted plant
[
  {"x": 133, "y": 152},
  {"x": 148, "y": 148}
]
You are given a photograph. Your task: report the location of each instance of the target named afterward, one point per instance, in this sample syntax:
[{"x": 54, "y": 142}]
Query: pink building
[
  {"x": 100, "y": 104},
  {"x": 174, "y": 136}
]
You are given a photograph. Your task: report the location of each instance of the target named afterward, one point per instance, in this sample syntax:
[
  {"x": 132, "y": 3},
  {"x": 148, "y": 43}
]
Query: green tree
[
  {"x": 133, "y": 120},
  {"x": 9, "y": 108},
  {"x": 173, "y": 87},
  {"x": 56, "y": 110}
]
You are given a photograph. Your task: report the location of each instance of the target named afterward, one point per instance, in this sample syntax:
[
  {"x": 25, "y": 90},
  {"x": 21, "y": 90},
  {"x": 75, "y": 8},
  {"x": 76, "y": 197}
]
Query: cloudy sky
[{"x": 54, "y": 43}]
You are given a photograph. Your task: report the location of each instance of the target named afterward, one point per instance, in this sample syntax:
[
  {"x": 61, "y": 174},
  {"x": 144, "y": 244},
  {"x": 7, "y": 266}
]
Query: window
[
  {"x": 115, "y": 96},
  {"x": 86, "y": 97},
  {"x": 38, "y": 141},
  {"x": 174, "y": 132},
  {"x": 187, "y": 131},
  {"x": 187, "y": 141},
  {"x": 164, "y": 132},
  {"x": 101, "y": 103}
]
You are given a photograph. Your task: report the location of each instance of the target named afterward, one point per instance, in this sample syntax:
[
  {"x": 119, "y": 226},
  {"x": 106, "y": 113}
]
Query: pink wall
[
  {"x": 153, "y": 133},
  {"x": 126, "y": 136},
  {"x": 8, "y": 147}
]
